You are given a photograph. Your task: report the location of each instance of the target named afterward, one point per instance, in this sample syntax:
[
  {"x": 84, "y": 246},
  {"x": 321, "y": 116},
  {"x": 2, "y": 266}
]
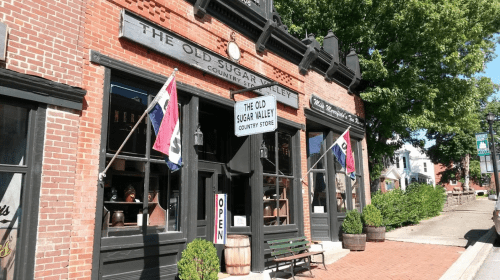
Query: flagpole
[
  {"x": 326, "y": 152},
  {"x": 150, "y": 107}
]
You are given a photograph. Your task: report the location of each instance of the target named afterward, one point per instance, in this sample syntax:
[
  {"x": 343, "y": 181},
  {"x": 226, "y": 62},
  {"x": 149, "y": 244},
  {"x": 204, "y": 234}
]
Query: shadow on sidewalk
[{"x": 473, "y": 236}]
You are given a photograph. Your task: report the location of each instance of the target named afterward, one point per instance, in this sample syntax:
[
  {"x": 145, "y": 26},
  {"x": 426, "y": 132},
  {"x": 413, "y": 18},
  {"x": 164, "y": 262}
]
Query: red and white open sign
[{"x": 220, "y": 219}]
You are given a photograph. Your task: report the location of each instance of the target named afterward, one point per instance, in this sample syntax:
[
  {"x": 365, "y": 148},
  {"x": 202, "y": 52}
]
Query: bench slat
[
  {"x": 287, "y": 245},
  {"x": 286, "y": 251},
  {"x": 289, "y": 258},
  {"x": 272, "y": 242}
]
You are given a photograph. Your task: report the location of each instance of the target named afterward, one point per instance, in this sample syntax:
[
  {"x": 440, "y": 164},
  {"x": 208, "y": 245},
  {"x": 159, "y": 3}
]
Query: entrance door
[
  {"x": 211, "y": 181},
  {"x": 320, "y": 204}
]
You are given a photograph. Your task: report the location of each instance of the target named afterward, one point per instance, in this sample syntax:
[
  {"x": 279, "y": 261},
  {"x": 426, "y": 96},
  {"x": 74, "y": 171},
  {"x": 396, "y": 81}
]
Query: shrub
[
  {"x": 392, "y": 206},
  {"x": 371, "y": 216},
  {"x": 352, "y": 223},
  {"x": 199, "y": 261},
  {"x": 418, "y": 202}
]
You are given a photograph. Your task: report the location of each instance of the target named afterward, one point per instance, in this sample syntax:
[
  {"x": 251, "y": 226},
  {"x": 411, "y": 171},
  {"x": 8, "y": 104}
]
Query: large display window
[
  {"x": 278, "y": 179},
  {"x": 141, "y": 194}
]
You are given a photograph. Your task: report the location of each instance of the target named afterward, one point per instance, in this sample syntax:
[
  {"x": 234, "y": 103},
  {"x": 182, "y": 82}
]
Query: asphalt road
[
  {"x": 460, "y": 226},
  {"x": 490, "y": 269}
]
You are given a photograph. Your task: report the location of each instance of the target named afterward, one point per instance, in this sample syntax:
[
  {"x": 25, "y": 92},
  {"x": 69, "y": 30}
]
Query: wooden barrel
[
  {"x": 354, "y": 242},
  {"x": 237, "y": 254},
  {"x": 375, "y": 234}
]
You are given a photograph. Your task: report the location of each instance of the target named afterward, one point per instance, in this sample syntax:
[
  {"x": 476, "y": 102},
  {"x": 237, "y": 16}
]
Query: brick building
[
  {"x": 455, "y": 184},
  {"x": 78, "y": 75}
]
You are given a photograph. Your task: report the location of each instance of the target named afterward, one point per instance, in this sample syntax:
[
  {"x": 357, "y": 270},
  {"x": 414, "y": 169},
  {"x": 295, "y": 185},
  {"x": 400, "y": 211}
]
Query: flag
[
  {"x": 165, "y": 119},
  {"x": 342, "y": 151}
]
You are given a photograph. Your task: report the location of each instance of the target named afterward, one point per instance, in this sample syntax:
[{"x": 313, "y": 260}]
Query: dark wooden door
[{"x": 211, "y": 180}]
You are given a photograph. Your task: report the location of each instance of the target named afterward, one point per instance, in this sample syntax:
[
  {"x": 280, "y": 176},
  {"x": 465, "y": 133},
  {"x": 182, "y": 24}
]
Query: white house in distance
[{"x": 414, "y": 166}]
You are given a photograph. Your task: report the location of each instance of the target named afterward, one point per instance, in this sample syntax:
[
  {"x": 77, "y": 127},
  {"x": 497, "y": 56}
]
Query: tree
[{"x": 418, "y": 59}]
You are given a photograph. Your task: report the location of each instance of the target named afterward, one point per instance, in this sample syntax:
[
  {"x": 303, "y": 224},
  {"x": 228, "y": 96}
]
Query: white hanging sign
[{"x": 256, "y": 115}]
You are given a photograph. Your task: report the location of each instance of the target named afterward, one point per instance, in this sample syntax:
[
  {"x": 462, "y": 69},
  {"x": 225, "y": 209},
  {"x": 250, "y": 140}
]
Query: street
[{"x": 490, "y": 269}]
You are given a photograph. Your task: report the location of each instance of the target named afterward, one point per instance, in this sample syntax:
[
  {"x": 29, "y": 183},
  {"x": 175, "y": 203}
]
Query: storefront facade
[{"x": 127, "y": 49}]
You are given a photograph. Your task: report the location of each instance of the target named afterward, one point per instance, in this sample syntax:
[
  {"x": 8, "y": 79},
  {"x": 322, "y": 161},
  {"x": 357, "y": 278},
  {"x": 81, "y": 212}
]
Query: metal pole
[{"x": 494, "y": 157}]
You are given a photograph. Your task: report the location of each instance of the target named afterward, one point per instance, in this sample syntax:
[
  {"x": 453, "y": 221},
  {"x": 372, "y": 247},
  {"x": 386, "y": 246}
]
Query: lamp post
[{"x": 490, "y": 117}]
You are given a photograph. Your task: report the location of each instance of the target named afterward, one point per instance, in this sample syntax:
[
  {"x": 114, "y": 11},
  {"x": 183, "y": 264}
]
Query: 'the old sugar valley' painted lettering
[{"x": 159, "y": 39}]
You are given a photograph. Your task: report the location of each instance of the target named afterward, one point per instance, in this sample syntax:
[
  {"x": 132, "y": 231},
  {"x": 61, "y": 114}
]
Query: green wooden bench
[{"x": 291, "y": 250}]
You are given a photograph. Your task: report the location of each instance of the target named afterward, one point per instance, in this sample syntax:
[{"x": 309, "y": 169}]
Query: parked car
[{"x": 496, "y": 213}]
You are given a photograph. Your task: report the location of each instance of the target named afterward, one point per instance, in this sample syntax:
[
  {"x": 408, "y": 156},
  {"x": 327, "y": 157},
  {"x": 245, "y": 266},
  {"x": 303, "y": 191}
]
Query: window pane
[
  {"x": 314, "y": 151},
  {"x": 240, "y": 201},
  {"x": 318, "y": 192},
  {"x": 126, "y": 107},
  {"x": 202, "y": 187},
  {"x": 270, "y": 201},
  {"x": 340, "y": 184},
  {"x": 10, "y": 215},
  {"x": 285, "y": 153},
  {"x": 217, "y": 129},
  {"x": 269, "y": 164},
  {"x": 13, "y": 134},
  {"x": 356, "y": 193},
  {"x": 168, "y": 195},
  {"x": 285, "y": 196}
]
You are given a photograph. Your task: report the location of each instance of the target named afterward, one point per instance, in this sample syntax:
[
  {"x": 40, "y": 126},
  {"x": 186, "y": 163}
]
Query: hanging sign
[
  {"x": 220, "y": 219},
  {"x": 256, "y": 115},
  {"x": 483, "y": 148}
]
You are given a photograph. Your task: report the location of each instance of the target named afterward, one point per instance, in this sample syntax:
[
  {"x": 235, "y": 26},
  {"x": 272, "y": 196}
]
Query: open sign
[{"x": 220, "y": 219}]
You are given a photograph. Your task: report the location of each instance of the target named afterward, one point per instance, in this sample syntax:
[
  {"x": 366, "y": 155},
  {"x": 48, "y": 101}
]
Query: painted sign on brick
[{"x": 155, "y": 37}]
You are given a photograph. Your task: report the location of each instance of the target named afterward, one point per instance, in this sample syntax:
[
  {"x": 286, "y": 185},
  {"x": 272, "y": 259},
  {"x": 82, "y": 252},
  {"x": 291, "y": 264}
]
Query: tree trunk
[{"x": 465, "y": 164}]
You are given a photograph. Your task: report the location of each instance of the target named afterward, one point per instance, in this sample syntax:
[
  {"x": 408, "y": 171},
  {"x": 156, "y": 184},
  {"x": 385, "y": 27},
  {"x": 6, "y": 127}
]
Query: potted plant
[
  {"x": 372, "y": 219},
  {"x": 353, "y": 237}
]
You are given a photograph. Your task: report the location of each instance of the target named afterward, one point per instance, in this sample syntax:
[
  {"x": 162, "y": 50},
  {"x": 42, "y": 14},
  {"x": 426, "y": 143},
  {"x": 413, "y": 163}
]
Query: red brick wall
[
  {"x": 45, "y": 38},
  {"x": 57, "y": 193},
  {"x": 102, "y": 35},
  {"x": 438, "y": 168}
]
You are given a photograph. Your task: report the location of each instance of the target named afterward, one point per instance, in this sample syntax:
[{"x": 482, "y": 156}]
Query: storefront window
[
  {"x": 277, "y": 179},
  {"x": 13, "y": 148},
  {"x": 139, "y": 188}
]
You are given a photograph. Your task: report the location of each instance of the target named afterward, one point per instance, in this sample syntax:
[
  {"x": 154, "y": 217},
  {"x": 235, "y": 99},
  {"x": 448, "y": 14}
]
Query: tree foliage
[{"x": 419, "y": 60}]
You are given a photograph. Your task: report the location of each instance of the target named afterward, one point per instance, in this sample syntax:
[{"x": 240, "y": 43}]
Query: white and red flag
[
  {"x": 165, "y": 120},
  {"x": 342, "y": 151}
]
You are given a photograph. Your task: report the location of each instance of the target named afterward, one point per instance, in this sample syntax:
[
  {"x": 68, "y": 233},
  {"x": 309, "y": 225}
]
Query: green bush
[
  {"x": 352, "y": 223},
  {"x": 199, "y": 261},
  {"x": 371, "y": 216},
  {"x": 418, "y": 202}
]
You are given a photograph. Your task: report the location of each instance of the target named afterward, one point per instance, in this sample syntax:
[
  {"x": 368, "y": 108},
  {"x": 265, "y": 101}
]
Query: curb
[{"x": 467, "y": 265}]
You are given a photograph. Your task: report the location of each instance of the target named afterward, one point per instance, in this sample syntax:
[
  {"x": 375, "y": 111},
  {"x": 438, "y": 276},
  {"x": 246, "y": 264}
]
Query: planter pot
[
  {"x": 375, "y": 234},
  {"x": 354, "y": 242}
]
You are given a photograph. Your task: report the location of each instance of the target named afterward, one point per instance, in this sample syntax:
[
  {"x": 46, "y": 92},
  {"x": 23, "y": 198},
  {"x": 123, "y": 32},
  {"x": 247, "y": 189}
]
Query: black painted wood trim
[
  {"x": 40, "y": 89},
  {"x": 25, "y": 265},
  {"x": 257, "y": 217},
  {"x": 336, "y": 124},
  {"x": 189, "y": 182},
  {"x": 96, "y": 261}
]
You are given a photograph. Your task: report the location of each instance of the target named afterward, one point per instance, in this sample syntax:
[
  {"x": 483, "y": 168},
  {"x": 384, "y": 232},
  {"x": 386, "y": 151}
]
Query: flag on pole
[
  {"x": 342, "y": 151},
  {"x": 165, "y": 119}
]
